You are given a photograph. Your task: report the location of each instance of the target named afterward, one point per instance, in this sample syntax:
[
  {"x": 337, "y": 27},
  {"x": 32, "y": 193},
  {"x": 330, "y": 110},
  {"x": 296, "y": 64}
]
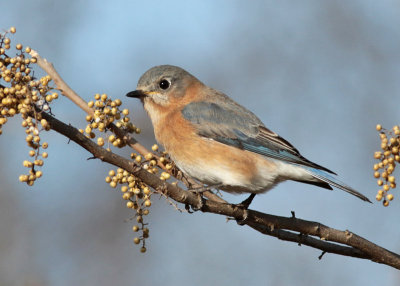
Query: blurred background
[{"x": 322, "y": 74}]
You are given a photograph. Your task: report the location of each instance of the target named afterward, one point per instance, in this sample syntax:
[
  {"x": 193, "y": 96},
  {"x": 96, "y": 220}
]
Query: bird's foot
[
  {"x": 244, "y": 205},
  {"x": 203, "y": 189}
]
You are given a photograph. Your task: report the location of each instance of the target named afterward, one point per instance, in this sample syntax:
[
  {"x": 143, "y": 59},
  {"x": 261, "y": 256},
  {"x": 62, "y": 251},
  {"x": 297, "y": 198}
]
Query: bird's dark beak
[{"x": 137, "y": 94}]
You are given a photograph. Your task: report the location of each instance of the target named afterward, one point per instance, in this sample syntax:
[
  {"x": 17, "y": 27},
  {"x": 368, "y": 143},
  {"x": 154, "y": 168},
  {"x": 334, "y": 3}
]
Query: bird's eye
[{"x": 164, "y": 84}]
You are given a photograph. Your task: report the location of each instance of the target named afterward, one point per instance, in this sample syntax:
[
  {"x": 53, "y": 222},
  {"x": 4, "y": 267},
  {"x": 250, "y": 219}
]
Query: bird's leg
[{"x": 246, "y": 203}]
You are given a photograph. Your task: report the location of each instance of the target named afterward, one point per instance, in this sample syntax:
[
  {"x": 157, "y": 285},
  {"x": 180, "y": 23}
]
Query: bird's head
[{"x": 163, "y": 86}]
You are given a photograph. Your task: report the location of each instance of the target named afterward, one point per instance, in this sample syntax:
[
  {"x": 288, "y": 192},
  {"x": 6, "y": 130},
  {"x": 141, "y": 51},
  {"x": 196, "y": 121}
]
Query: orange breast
[{"x": 210, "y": 161}]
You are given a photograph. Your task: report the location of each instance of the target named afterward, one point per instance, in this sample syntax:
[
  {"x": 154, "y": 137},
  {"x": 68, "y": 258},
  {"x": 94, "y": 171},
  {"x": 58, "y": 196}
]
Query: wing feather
[{"x": 234, "y": 125}]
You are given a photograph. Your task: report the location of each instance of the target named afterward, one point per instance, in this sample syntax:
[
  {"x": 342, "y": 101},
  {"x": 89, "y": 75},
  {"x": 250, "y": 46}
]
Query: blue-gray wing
[{"x": 231, "y": 124}]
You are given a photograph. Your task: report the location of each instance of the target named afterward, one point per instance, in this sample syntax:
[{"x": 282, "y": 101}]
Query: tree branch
[
  {"x": 309, "y": 233},
  {"x": 285, "y": 228}
]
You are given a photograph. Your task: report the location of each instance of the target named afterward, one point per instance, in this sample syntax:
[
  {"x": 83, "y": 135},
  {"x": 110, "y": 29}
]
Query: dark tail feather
[{"x": 332, "y": 181}]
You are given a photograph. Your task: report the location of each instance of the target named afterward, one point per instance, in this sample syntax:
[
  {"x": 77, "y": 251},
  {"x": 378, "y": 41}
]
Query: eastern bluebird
[{"x": 215, "y": 140}]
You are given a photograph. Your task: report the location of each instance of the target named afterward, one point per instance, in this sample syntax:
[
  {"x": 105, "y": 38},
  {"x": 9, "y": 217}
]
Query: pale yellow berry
[
  {"x": 45, "y": 155},
  {"x": 27, "y": 164},
  {"x": 43, "y": 122},
  {"x": 126, "y": 196},
  {"x": 378, "y": 127},
  {"x": 148, "y": 156},
  {"x": 94, "y": 125},
  {"x": 13, "y": 30},
  {"x": 146, "y": 190},
  {"x": 147, "y": 203},
  {"x": 385, "y": 203},
  {"x": 45, "y": 145},
  {"x": 165, "y": 175},
  {"x": 135, "y": 228},
  {"x": 129, "y": 204},
  {"x": 136, "y": 240},
  {"x": 125, "y": 112},
  {"x": 377, "y": 155},
  {"x": 138, "y": 159},
  {"x": 23, "y": 178},
  {"x": 100, "y": 141},
  {"x": 12, "y": 111},
  {"x": 143, "y": 249},
  {"x": 154, "y": 147}
]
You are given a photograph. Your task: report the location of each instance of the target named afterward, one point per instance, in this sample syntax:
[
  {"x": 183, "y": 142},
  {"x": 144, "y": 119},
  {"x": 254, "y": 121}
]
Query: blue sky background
[{"x": 322, "y": 74}]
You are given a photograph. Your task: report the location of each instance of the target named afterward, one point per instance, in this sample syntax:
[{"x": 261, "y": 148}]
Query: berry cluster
[
  {"x": 150, "y": 162},
  {"x": 137, "y": 195},
  {"x": 21, "y": 93},
  {"x": 388, "y": 157},
  {"x": 106, "y": 111}
]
